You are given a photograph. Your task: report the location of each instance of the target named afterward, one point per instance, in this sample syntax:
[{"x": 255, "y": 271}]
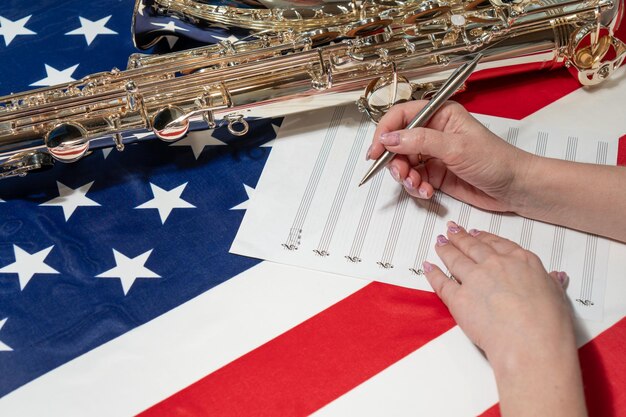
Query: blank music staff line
[
  {"x": 558, "y": 241},
  {"x": 591, "y": 245},
  {"x": 295, "y": 231},
  {"x": 391, "y": 243},
  {"x": 426, "y": 239},
  {"x": 342, "y": 189},
  {"x": 464, "y": 215},
  {"x": 365, "y": 219}
]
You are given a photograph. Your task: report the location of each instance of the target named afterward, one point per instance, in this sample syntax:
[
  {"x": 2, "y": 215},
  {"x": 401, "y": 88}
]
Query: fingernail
[
  {"x": 367, "y": 155},
  {"x": 453, "y": 227},
  {"x": 422, "y": 193},
  {"x": 408, "y": 183},
  {"x": 395, "y": 173},
  {"x": 474, "y": 232},
  {"x": 441, "y": 240},
  {"x": 563, "y": 278},
  {"x": 391, "y": 138},
  {"x": 427, "y": 267}
]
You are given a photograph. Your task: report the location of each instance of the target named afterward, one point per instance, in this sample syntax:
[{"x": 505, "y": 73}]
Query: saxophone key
[
  {"x": 67, "y": 142},
  {"x": 170, "y": 124}
]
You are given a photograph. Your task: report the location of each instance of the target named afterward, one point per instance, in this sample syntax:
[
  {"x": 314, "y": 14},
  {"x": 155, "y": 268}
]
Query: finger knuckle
[
  {"x": 493, "y": 261},
  {"x": 471, "y": 248},
  {"x": 530, "y": 257}
]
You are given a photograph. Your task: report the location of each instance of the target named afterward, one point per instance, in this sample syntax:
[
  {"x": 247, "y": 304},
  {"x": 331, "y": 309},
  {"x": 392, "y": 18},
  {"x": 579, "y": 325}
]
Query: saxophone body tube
[{"x": 389, "y": 59}]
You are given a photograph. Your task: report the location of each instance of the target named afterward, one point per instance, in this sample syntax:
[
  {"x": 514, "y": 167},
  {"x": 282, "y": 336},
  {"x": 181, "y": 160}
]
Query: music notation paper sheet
[{"x": 308, "y": 211}]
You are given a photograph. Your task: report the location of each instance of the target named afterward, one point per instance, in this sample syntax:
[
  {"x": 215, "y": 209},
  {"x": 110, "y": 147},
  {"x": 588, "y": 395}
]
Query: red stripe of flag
[
  {"x": 604, "y": 374},
  {"x": 517, "y": 96},
  {"x": 317, "y": 361},
  {"x": 621, "y": 151}
]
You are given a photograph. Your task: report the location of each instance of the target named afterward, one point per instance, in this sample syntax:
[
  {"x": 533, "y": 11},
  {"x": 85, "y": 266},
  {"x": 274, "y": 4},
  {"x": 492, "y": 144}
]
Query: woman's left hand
[
  {"x": 501, "y": 295},
  {"x": 509, "y": 306}
]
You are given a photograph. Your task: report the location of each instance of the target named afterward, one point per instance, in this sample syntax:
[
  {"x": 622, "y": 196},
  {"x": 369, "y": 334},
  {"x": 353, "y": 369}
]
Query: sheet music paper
[{"x": 308, "y": 211}]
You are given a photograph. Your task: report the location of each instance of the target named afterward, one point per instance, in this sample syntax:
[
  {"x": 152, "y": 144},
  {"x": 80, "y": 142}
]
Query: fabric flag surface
[
  {"x": 118, "y": 295},
  {"x": 116, "y": 220}
]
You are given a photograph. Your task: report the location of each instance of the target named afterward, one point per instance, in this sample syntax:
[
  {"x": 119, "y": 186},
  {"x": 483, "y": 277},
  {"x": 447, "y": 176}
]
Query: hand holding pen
[
  {"x": 461, "y": 158},
  {"x": 452, "y": 84}
]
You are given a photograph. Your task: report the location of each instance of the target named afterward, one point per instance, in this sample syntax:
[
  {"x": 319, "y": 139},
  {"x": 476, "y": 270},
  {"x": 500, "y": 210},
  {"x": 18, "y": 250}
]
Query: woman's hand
[
  {"x": 462, "y": 157},
  {"x": 501, "y": 295},
  {"x": 509, "y": 306}
]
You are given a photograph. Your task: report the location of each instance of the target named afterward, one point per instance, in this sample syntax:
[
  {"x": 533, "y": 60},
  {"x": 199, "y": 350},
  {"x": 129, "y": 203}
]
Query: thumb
[{"x": 419, "y": 140}]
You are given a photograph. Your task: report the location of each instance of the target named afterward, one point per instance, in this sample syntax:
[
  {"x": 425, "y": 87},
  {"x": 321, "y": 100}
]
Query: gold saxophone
[{"x": 383, "y": 52}]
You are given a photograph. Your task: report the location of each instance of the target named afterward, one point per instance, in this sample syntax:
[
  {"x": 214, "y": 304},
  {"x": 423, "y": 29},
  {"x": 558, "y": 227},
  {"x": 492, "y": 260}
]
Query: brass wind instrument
[{"x": 408, "y": 53}]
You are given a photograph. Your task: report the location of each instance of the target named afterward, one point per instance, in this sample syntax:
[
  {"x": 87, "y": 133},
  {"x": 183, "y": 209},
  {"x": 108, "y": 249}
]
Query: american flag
[{"x": 118, "y": 295}]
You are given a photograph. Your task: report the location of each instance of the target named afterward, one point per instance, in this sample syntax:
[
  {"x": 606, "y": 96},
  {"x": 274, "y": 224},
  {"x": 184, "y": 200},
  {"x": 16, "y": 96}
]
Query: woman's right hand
[{"x": 460, "y": 157}]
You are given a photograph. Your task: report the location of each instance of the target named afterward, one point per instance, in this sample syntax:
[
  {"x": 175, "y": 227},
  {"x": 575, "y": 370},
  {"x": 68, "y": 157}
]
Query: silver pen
[{"x": 452, "y": 84}]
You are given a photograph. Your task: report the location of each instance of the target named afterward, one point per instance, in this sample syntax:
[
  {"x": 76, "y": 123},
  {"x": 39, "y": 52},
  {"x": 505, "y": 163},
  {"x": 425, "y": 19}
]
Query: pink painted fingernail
[
  {"x": 427, "y": 266},
  {"x": 367, "y": 155},
  {"x": 408, "y": 183},
  {"x": 391, "y": 138},
  {"x": 563, "y": 278},
  {"x": 395, "y": 173},
  {"x": 422, "y": 193},
  {"x": 453, "y": 227},
  {"x": 474, "y": 232},
  {"x": 442, "y": 240}
]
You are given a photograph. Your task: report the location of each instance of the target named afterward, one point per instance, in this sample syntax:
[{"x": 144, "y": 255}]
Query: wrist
[
  {"x": 550, "y": 343},
  {"x": 534, "y": 382},
  {"x": 530, "y": 172},
  {"x": 539, "y": 357}
]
